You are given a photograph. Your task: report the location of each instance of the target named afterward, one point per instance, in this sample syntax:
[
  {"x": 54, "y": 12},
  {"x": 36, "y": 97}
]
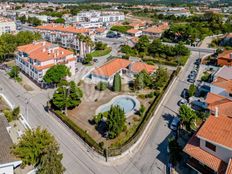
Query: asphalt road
[{"x": 151, "y": 158}]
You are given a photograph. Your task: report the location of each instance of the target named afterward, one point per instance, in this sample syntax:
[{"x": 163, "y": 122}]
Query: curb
[{"x": 22, "y": 118}]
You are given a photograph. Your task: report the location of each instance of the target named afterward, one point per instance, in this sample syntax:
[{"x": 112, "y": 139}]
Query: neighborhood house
[{"x": 106, "y": 72}]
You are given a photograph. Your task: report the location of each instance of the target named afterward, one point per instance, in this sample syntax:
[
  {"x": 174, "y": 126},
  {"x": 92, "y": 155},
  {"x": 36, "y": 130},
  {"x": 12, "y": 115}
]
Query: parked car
[
  {"x": 175, "y": 123},
  {"x": 185, "y": 94},
  {"x": 95, "y": 60},
  {"x": 191, "y": 80},
  {"x": 182, "y": 102}
]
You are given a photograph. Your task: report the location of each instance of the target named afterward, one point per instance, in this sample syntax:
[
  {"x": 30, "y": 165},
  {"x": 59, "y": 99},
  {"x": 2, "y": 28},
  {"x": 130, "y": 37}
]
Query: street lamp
[
  {"x": 66, "y": 94},
  {"x": 27, "y": 102}
]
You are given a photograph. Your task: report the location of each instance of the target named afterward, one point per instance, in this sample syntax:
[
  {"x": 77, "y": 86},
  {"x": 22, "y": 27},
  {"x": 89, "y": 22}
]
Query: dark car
[{"x": 185, "y": 94}]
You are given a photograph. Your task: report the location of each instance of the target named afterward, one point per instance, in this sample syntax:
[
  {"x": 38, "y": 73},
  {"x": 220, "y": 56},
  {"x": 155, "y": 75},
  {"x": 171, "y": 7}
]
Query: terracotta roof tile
[
  {"x": 111, "y": 67},
  {"x": 139, "y": 66},
  {"x": 43, "y": 51},
  {"x": 43, "y": 67},
  {"x": 193, "y": 149},
  {"x": 229, "y": 167},
  {"x": 133, "y": 31},
  {"x": 218, "y": 130},
  {"x": 225, "y": 54},
  {"x": 69, "y": 29},
  {"x": 223, "y": 83}
]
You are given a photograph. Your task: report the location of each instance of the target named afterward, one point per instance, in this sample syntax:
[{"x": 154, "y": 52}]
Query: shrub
[
  {"x": 142, "y": 110},
  {"x": 101, "y": 86},
  {"x": 84, "y": 135}
]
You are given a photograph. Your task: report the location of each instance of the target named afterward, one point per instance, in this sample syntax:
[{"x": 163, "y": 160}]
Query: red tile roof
[
  {"x": 193, "y": 149},
  {"x": 215, "y": 99},
  {"x": 223, "y": 83},
  {"x": 225, "y": 54},
  {"x": 43, "y": 51},
  {"x": 139, "y": 66},
  {"x": 157, "y": 29},
  {"x": 100, "y": 30},
  {"x": 62, "y": 28},
  {"x": 133, "y": 31},
  {"x": 229, "y": 167},
  {"x": 218, "y": 130},
  {"x": 111, "y": 67},
  {"x": 43, "y": 67}
]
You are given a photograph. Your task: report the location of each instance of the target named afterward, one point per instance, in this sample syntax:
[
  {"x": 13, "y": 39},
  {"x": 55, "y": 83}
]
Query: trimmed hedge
[
  {"x": 80, "y": 132},
  {"x": 164, "y": 62}
]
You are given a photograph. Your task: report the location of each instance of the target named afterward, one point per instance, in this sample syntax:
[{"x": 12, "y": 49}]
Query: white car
[{"x": 182, "y": 102}]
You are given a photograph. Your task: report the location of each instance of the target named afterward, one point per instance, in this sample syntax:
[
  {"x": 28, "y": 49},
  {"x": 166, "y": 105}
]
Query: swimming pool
[{"x": 128, "y": 103}]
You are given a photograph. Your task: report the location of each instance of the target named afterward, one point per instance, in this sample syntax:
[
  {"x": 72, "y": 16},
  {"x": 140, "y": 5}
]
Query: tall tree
[
  {"x": 67, "y": 95},
  {"x": 161, "y": 77},
  {"x": 143, "y": 44},
  {"x": 50, "y": 162},
  {"x": 117, "y": 84},
  {"x": 115, "y": 121},
  {"x": 192, "y": 90},
  {"x": 56, "y": 73},
  {"x": 31, "y": 146}
]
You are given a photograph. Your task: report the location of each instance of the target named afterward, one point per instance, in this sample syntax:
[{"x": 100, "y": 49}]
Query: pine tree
[{"x": 116, "y": 121}]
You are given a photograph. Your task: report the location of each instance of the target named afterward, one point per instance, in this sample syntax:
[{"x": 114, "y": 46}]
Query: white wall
[{"x": 221, "y": 152}]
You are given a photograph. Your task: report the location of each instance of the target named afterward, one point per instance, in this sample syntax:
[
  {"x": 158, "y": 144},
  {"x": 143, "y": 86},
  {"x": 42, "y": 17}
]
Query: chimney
[
  {"x": 44, "y": 43},
  {"x": 231, "y": 55},
  {"x": 216, "y": 111}
]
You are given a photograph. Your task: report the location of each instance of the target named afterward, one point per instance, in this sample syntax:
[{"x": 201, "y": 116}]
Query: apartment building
[
  {"x": 96, "y": 16},
  {"x": 7, "y": 25},
  {"x": 65, "y": 36},
  {"x": 36, "y": 58},
  {"x": 96, "y": 19},
  {"x": 210, "y": 149}
]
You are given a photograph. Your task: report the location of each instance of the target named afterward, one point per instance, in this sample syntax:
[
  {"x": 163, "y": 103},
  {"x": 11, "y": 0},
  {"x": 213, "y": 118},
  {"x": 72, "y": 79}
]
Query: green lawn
[{"x": 99, "y": 53}]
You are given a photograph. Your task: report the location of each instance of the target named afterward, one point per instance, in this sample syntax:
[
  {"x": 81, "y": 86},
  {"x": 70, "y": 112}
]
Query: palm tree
[
  {"x": 89, "y": 43},
  {"x": 187, "y": 116},
  {"x": 80, "y": 38}
]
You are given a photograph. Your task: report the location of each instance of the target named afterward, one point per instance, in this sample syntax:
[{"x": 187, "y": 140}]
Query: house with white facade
[
  {"x": 8, "y": 162},
  {"x": 127, "y": 68},
  {"x": 210, "y": 148},
  {"x": 7, "y": 25},
  {"x": 36, "y": 58}
]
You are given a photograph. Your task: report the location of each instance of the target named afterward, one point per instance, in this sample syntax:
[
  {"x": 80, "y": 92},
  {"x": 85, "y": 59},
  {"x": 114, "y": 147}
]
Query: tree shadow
[
  {"x": 168, "y": 118},
  {"x": 102, "y": 128}
]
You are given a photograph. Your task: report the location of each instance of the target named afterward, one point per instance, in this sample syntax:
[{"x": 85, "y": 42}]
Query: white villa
[{"x": 106, "y": 72}]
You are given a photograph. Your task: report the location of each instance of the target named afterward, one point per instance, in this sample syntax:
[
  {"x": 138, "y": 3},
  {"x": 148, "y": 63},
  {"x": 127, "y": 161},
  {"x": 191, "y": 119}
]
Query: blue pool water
[{"x": 127, "y": 104}]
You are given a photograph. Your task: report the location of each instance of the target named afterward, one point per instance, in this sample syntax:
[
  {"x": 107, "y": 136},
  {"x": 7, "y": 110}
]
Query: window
[{"x": 210, "y": 146}]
